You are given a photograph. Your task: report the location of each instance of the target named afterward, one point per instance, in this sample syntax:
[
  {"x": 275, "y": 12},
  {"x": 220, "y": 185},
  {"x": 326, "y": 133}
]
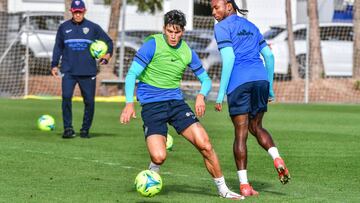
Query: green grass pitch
[{"x": 320, "y": 144}]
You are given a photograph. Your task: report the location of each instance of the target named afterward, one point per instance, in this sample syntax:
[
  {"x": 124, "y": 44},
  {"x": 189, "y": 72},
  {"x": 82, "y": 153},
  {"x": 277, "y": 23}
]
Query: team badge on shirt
[{"x": 86, "y": 30}]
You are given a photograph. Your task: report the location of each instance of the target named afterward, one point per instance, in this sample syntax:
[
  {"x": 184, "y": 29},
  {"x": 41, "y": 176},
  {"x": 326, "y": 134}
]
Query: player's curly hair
[{"x": 175, "y": 17}]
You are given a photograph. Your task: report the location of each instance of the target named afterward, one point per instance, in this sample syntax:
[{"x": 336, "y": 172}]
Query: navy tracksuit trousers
[{"x": 87, "y": 86}]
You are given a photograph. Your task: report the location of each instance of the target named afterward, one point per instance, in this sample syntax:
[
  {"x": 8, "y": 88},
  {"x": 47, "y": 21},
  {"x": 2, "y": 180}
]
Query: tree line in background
[{"x": 315, "y": 57}]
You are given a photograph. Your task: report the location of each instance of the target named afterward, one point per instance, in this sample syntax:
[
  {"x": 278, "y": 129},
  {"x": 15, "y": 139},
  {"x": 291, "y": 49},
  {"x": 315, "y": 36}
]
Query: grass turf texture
[{"x": 318, "y": 142}]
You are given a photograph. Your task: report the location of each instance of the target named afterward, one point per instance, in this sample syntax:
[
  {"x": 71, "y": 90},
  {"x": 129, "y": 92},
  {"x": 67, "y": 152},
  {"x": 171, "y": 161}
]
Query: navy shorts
[
  {"x": 249, "y": 98},
  {"x": 175, "y": 112}
]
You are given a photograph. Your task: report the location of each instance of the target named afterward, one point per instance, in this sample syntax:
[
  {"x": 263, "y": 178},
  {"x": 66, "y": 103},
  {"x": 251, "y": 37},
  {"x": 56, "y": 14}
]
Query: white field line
[{"x": 101, "y": 162}]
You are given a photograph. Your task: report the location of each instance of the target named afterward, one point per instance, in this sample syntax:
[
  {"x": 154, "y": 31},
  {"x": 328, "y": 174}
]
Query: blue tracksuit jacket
[{"x": 72, "y": 46}]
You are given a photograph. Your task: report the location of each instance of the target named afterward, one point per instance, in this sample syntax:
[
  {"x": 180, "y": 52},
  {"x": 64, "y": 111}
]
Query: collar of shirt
[{"x": 76, "y": 23}]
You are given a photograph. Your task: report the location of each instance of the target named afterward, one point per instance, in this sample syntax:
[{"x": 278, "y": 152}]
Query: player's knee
[
  {"x": 241, "y": 124},
  {"x": 254, "y": 128},
  {"x": 158, "y": 158},
  {"x": 206, "y": 148},
  {"x": 251, "y": 129}
]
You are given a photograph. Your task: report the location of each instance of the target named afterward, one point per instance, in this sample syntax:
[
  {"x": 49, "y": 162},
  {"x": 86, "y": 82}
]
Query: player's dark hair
[
  {"x": 175, "y": 17},
  {"x": 241, "y": 11}
]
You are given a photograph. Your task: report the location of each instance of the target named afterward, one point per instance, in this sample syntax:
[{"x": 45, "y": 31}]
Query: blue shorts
[
  {"x": 249, "y": 98},
  {"x": 156, "y": 115}
]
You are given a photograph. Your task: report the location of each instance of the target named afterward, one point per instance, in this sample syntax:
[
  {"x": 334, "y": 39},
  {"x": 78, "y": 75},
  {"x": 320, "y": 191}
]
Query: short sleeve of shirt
[
  {"x": 261, "y": 40},
  {"x": 146, "y": 52},
  {"x": 222, "y": 36},
  {"x": 195, "y": 64}
]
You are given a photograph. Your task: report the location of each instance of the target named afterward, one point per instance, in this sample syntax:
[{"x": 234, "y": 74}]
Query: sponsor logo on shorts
[
  {"x": 146, "y": 129},
  {"x": 188, "y": 114}
]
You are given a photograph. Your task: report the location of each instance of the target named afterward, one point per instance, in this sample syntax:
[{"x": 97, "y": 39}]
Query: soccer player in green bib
[{"x": 159, "y": 66}]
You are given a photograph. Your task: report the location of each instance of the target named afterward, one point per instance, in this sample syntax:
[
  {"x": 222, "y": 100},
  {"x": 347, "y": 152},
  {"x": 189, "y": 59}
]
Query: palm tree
[
  {"x": 356, "y": 53},
  {"x": 67, "y": 14},
  {"x": 113, "y": 30},
  {"x": 147, "y": 5},
  {"x": 143, "y": 6},
  {"x": 316, "y": 64},
  {"x": 291, "y": 46}
]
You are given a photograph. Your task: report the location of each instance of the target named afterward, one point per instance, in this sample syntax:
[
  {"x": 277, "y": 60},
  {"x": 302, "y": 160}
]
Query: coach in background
[{"x": 72, "y": 44}]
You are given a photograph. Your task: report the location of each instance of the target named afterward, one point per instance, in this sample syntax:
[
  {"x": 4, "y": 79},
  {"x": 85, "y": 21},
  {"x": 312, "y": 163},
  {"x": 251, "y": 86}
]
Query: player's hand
[
  {"x": 127, "y": 113},
  {"x": 271, "y": 95},
  {"x": 200, "y": 105},
  {"x": 218, "y": 107},
  {"x": 55, "y": 71},
  {"x": 105, "y": 59}
]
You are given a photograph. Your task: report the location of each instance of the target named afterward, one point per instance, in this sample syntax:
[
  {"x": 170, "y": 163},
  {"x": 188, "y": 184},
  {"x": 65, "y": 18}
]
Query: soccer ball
[
  {"x": 148, "y": 183},
  {"x": 98, "y": 49},
  {"x": 169, "y": 142},
  {"x": 46, "y": 123}
]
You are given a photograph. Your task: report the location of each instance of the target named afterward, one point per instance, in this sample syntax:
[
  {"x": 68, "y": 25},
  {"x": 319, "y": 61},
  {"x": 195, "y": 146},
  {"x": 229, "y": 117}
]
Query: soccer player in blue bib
[
  {"x": 159, "y": 65},
  {"x": 247, "y": 83}
]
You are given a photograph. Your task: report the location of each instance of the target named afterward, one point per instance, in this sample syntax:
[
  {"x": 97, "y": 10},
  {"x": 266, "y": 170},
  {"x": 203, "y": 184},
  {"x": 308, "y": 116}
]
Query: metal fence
[{"x": 27, "y": 39}]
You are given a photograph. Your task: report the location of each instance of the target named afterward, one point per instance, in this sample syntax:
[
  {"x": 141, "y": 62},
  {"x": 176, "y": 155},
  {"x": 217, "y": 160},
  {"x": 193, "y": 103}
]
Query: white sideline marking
[{"x": 101, "y": 162}]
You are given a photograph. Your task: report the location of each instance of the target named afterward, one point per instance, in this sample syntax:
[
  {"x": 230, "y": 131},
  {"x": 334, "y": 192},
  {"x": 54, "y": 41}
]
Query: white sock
[
  {"x": 221, "y": 185},
  {"x": 243, "y": 176},
  {"x": 274, "y": 153},
  {"x": 154, "y": 167}
]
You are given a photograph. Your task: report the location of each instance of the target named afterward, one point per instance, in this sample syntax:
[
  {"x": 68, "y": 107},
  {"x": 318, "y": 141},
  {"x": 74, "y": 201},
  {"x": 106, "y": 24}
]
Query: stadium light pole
[{"x": 122, "y": 40}]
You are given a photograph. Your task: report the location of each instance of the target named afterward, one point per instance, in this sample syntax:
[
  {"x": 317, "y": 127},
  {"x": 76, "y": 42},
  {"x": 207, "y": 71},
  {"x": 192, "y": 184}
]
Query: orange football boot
[
  {"x": 284, "y": 175},
  {"x": 247, "y": 190}
]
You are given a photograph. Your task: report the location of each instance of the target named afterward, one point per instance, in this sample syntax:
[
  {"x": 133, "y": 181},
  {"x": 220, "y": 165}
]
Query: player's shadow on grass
[
  {"x": 102, "y": 135},
  {"x": 187, "y": 189},
  {"x": 94, "y": 135},
  {"x": 265, "y": 187},
  {"x": 257, "y": 185}
]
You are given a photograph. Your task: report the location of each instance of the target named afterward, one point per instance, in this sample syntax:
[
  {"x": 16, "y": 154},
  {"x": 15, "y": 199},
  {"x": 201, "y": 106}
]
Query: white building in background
[
  {"x": 263, "y": 13},
  {"x": 96, "y": 11}
]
